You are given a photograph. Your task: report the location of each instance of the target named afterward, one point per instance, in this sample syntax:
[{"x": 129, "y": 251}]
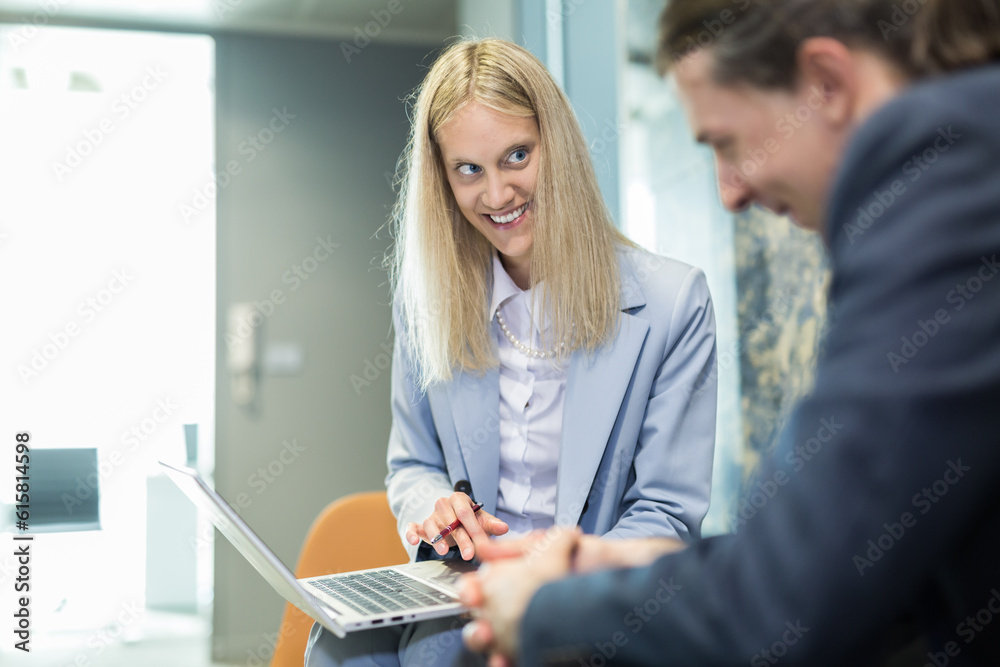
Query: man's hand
[
  {"x": 594, "y": 553},
  {"x": 500, "y": 592},
  {"x": 475, "y": 530},
  {"x": 502, "y": 588}
]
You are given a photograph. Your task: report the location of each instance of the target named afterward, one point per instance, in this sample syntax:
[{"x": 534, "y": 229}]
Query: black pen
[{"x": 453, "y": 525}]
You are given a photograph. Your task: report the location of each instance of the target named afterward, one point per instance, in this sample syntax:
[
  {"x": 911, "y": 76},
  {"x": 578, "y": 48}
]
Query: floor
[
  {"x": 155, "y": 653},
  {"x": 163, "y": 640}
]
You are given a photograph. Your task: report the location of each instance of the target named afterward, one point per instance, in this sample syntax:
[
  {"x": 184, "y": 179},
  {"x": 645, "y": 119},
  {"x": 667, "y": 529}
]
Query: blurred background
[{"x": 193, "y": 196}]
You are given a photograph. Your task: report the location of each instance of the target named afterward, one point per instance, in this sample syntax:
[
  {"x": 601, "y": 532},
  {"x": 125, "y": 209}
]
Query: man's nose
[{"x": 734, "y": 190}]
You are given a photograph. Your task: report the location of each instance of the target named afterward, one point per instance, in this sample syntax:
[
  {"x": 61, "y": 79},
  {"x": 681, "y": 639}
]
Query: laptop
[{"x": 344, "y": 602}]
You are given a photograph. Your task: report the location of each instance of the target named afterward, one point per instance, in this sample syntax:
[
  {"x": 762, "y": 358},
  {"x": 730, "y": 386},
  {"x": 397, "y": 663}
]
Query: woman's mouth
[{"x": 507, "y": 219}]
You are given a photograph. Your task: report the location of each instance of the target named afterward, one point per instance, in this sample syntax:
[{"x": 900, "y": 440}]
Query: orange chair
[{"x": 352, "y": 533}]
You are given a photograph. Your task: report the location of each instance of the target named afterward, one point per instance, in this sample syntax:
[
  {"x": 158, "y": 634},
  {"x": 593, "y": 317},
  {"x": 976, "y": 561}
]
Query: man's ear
[{"x": 828, "y": 80}]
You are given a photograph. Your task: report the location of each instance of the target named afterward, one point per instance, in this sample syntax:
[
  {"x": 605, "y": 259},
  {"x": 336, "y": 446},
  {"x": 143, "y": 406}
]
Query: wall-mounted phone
[{"x": 244, "y": 333}]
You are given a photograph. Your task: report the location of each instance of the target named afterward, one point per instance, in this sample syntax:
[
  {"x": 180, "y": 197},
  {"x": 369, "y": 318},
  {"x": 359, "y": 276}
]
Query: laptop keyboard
[{"x": 381, "y": 591}]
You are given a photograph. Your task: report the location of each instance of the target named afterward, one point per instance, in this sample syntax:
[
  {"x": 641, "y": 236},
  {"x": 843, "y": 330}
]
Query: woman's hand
[{"x": 475, "y": 528}]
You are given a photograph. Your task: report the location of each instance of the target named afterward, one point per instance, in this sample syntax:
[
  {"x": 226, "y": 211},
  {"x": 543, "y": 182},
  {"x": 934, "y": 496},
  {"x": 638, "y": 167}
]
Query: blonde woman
[{"x": 544, "y": 366}]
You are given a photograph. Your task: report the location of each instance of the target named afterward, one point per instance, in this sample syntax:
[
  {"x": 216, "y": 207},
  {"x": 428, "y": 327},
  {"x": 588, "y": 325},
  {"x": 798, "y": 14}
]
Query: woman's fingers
[
  {"x": 490, "y": 524},
  {"x": 432, "y": 528},
  {"x": 473, "y": 530},
  {"x": 414, "y": 533},
  {"x": 446, "y": 512},
  {"x": 469, "y": 533},
  {"x": 478, "y": 527}
]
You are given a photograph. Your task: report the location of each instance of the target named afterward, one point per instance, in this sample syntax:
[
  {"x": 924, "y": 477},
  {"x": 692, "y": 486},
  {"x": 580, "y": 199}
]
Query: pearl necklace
[{"x": 521, "y": 347}]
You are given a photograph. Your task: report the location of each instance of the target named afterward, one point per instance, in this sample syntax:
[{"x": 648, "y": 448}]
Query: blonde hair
[{"x": 440, "y": 265}]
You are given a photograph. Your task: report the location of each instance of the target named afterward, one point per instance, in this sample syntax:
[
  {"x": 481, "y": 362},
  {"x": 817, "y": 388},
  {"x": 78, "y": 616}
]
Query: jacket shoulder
[{"x": 652, "y": 279}]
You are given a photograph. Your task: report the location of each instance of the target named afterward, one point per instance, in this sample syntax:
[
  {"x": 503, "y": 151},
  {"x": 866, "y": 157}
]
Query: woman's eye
[
  {"x": 468, "y": 169},
  {"x": 520, "y": 155}
]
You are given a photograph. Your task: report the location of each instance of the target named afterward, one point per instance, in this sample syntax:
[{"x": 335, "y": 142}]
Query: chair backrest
[{"x": 352, "y": 533}]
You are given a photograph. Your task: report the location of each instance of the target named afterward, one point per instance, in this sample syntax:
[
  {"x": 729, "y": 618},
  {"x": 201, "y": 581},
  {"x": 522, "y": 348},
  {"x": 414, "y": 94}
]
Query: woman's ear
[{"x": 828, "y": 80}]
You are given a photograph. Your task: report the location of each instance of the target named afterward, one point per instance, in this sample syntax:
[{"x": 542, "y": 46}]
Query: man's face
[{"x": 772, "y": 148}]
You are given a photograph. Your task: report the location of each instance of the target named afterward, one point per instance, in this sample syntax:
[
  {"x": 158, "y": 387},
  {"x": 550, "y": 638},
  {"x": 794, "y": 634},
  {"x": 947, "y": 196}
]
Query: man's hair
[
  {"x": 756, "y": 41},
  {"x": 441, "y": 265},
  {"x": 956, "y": 34}
]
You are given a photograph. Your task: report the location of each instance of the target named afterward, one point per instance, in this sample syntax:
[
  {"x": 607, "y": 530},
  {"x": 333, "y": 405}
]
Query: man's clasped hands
[{"x": 512, "y": 571}]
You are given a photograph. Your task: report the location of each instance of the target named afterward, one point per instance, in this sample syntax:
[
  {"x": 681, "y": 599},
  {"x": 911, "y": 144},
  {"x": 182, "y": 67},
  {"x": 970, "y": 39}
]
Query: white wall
[{"x": 495, "y": 18}]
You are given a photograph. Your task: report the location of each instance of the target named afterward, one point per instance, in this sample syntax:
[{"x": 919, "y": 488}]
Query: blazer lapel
[
  {"x": 595, "y": 389},
  {"x": 475, "y": 408}
]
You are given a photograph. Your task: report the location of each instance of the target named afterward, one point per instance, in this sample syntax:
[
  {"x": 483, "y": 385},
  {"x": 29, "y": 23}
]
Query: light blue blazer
[{"x": 638, "y": 434}]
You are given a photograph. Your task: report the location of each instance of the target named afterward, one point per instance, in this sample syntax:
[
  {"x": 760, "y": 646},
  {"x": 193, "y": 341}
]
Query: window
[{"x": 104, "y": 135}]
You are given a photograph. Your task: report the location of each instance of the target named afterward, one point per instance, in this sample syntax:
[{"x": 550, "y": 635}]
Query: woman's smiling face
[{"x": 491, "y": 160}]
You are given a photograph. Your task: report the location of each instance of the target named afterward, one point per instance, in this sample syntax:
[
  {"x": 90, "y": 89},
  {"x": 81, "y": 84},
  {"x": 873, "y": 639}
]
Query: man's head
[{"x": 777, "y": 87}]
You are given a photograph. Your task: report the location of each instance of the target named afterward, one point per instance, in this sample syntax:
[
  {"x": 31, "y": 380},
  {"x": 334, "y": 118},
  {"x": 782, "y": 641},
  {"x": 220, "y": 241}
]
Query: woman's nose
[{"x": 499, "y": 192}]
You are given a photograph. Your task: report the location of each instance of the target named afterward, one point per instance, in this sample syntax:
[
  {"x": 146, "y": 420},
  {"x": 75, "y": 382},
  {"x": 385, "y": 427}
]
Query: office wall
[
  {"x": 582, "y": 44},
  {"x": 307, "y": 140},
  {"x": 478, "y": 19}
]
